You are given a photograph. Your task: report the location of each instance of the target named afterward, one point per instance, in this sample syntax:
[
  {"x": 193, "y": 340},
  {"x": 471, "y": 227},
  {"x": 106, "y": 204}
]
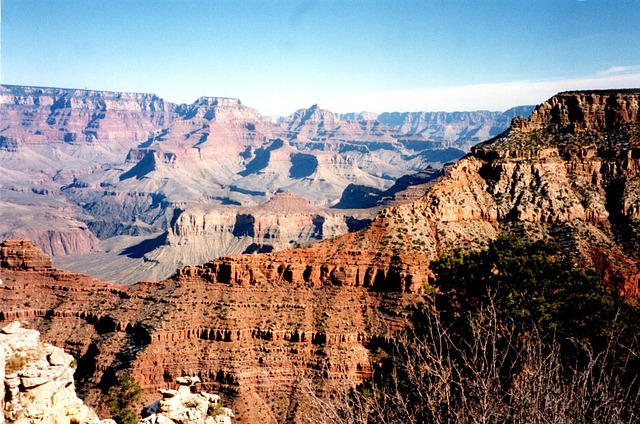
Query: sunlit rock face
[
  {"x": 96, "y": 178},
  {"x": 37, "y": 381}
]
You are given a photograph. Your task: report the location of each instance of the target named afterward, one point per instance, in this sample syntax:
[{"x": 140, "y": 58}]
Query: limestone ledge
[{"x": 37, "y": 381}]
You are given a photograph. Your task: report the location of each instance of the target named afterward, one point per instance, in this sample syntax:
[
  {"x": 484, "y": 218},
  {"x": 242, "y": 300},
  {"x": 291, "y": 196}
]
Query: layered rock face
[
  {"x": 198, "y": 233},
  {"x": 37, "y": 381},
  {"x": 97, "y": 174},
  {"x": 283, "y": 220},
  {"x": 22, "y": 254},
  {"x": 250, "y": 342},
  {"x": 70, "y": 116},
  {"x": 576, "y": 111},
  {"x": 38, "y": 387}
]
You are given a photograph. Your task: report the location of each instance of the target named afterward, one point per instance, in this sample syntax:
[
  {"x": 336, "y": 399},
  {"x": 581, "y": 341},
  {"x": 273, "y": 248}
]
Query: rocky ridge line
[{"x": 577, "y": 176}]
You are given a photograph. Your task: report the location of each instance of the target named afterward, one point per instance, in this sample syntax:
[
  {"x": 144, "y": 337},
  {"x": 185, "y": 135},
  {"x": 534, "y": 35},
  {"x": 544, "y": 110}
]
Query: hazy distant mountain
[{"x": 95, "y": 172}]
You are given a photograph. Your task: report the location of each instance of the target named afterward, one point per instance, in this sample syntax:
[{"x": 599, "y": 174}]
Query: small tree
[{"x": 124, "y": 397}]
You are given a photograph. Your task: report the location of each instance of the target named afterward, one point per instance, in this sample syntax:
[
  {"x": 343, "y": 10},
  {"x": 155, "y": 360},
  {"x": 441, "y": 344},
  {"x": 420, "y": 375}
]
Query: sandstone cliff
[
  {"x": 20, "y": 254},
  {"x": 71, "y": 116},
  {"x": 86, "y": 170}
]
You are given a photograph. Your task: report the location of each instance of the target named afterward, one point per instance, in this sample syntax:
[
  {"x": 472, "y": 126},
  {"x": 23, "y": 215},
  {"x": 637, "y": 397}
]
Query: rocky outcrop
[
  {"x": 312, "y": 122},
  {"x": 598, "y": 110},
  {"x": 22, "y": 254},
  {"x": 285, "y": 221},
  {"x": 220, "y": 109},
  {"x": 38, "y": 387},
  {"x": 406, "y": 189},
  {"x": 37, "y": 381},
  {"x": 184, "y": 406},
  {"x": 572, "y": 182}
]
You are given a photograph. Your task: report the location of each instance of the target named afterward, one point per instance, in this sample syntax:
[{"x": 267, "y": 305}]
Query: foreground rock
[
  {"x": 183, "y": 406},
  {"x": 37, "y": 382},
  {"x": 38, "y": 387}
]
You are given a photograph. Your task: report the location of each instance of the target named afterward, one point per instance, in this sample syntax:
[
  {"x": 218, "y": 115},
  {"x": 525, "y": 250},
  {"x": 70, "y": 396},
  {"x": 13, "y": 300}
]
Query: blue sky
[{"x": 278, "y": 56}]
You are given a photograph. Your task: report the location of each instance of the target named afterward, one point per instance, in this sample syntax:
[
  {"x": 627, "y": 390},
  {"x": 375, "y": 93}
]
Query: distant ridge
[{"x": 114, "y": 170}]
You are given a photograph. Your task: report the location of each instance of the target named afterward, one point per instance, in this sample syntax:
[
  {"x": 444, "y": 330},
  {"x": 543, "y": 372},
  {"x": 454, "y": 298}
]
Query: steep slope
[
  {"x": 96, "y": 174},
  {"x": 406, "y": 189}
]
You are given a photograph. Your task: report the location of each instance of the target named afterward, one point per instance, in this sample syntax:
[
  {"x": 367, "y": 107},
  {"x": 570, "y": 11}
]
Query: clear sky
[{"x": 279, "y": 56}]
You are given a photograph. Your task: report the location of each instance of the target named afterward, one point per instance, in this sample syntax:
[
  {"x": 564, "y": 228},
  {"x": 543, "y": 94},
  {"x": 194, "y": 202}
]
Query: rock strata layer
[{"x": 22, "y": 254}]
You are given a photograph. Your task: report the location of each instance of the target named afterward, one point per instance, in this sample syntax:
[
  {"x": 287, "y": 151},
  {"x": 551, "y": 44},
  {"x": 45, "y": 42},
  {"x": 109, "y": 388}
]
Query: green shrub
[
  {"x": 124, "y": 399},
  {"x": 214, "y": 410}
]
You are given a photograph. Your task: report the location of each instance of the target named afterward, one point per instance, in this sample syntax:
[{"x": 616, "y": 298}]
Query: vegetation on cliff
[
  {"x": 124, "y": 399},
  {"x": 511, "y": 333}
]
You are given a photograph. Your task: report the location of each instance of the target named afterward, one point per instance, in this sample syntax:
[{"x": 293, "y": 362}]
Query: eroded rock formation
[
  {"x": 185, "y": 406},
  {"x": 22, "y": 254},
  {"x": 37, "y": 381}
]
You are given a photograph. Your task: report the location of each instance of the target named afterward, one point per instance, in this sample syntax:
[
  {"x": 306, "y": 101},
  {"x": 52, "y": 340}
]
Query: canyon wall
[
  {"x": 250, "y": 342},
  {"x": 250, "y": 325},
  {"x": 90, "y": 173}
]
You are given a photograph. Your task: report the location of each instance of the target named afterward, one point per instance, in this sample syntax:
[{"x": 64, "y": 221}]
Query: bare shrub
[{"x": 493, "y": 375}]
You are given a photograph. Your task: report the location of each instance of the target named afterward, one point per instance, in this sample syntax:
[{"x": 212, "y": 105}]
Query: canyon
[
  {"x": 128, "y": 186},
  {"x": 253, "y": 326}
]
